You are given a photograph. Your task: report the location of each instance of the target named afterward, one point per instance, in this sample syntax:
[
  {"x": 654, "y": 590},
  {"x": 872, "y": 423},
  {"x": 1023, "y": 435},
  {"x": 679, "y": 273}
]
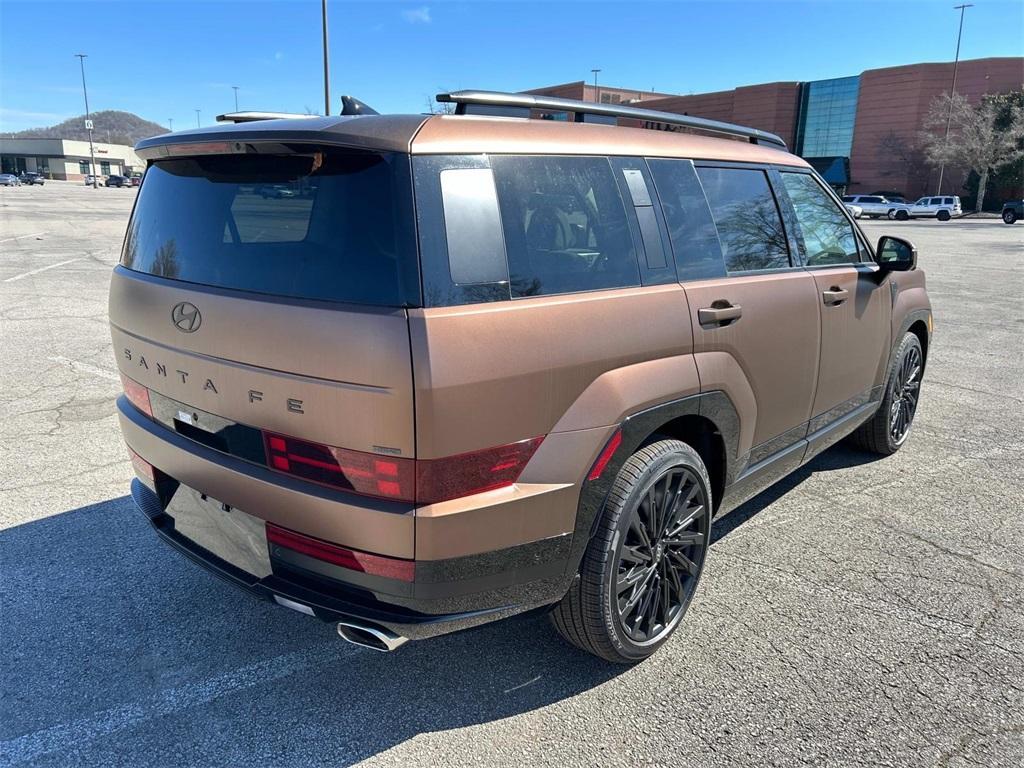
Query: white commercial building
[{"x": 67, "y": 159}]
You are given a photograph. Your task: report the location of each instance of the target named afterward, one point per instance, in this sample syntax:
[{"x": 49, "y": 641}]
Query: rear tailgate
[{"x": 268, "y": 292}]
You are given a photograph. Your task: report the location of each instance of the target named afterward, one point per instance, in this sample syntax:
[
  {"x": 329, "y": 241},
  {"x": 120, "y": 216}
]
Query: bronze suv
[{"x": 412, "y": 374}]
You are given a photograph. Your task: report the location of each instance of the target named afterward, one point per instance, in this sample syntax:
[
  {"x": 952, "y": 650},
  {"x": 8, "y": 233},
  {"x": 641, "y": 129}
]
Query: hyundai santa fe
[{"x": 468, "y": 366}]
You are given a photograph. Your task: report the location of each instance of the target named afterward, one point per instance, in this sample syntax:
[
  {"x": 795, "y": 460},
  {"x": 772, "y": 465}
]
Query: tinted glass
[
  {"x": 947, "y": 201},
  {"x": 565, "y": 225},
  {"x": 826, "y": 234},
  {"x": 828, "y": 109},
  {"x": 334, "y": 226},
  {"x": 747, "y": 219},
  {"x": 848, "y": 198},
  {"x": 690, "y": 226}
]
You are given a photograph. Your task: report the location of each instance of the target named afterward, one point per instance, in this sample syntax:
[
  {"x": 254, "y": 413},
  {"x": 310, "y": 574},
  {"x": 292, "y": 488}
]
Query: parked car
[
  {"x": 941, "y": 208},
  {"x": 136, "y": 179},
  {"x": 276, "y": 191},
  {"x": 528, "y": 373},
  {"x": 117, "y": 181},
  {"x": 874, "y": 206},
  {"x": 9, "y": 180},
  {"x": 1013, "y": 211},
  {"x": 891, "y": 196},
  {"x": 31, "y": 177},
  {"x": 89, "y": 179},
  {"x": 855, "y": 210}
]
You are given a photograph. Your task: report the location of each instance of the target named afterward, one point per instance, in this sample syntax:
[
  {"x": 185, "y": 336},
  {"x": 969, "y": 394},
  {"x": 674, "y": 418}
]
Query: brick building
[{"x": 860, "y": 132}]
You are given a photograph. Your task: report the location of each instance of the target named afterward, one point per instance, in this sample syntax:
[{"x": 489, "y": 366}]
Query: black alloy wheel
[
  {"x": 1009, "y": 216},
  {"x": 642, "y": 567},
  {"x": 661, "y": 555},
  {"x": 906, "y": 390},
  {"x": 887, "y": 430}
]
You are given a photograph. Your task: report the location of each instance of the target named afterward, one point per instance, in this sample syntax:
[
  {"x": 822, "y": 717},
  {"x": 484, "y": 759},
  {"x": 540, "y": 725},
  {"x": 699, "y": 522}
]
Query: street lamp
[
  {"x": 327, "y": 74},
  {"x": 952, "y": 90},
  {"x": 235, "y": 88},
  {"x": 170, "y": 123},
  {"x": 197, "y": 118},
  {"x": 597, "y": 91},
  {"x": 88, "y": 119}
]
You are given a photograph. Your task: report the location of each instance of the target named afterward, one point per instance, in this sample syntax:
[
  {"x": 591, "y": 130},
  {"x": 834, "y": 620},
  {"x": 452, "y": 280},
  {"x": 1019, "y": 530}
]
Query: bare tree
[
  {"x": 901, "y": 152},
  {"x": 975, "y": 142}
]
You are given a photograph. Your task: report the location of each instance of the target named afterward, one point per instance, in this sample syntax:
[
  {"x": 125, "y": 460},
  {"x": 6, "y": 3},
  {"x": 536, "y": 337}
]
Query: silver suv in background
[
  {"x": 941, "y": 208},
  {"x": 875, "y": 206}
]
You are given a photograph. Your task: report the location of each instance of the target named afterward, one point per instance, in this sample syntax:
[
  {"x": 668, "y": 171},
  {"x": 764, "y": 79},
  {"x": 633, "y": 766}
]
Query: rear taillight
[
  {"x": 365, "y": 473},
  {"x": 376, "y": 565},
  {"x": 421, "y": 482},
  {"x": 455, "y": 476},
  {"x": 137, "y": 395}
]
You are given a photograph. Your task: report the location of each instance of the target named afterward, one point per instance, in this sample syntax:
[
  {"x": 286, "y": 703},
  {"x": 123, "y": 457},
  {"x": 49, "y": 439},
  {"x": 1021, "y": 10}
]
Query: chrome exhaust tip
[{"x": 370, "y": 636}]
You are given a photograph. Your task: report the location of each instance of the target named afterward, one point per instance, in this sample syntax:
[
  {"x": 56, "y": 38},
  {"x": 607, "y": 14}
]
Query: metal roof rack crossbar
[{"x": 520, "y": 104}]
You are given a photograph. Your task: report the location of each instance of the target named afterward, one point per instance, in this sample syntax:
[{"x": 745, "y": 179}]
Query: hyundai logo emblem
[{"x": 186, "y": 317}]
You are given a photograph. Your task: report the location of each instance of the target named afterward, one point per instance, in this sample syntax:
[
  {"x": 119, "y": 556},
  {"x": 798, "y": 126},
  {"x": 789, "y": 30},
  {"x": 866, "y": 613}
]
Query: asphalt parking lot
[{"x": 865, "y": 612}]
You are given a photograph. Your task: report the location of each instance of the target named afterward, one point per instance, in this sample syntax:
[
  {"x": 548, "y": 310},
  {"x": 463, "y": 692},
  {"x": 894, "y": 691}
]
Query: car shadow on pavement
[
  {"x": 118, "y": 650},
  {"x": 838, "y": 457}
]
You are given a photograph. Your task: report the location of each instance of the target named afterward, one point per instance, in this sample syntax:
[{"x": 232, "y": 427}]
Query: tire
[
  {"x": 902, "y": 394},
  {"x": 597, "y": 617},
  {"x": 942, "y": 215},
  {"x": 902, "y": 215},
  {"x": 1009, "y": 216},
  {"x": 891, "y": 214}
]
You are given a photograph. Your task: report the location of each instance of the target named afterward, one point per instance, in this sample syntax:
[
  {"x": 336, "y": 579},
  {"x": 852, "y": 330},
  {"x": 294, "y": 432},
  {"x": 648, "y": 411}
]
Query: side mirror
[{"x": 894, "y": 254}]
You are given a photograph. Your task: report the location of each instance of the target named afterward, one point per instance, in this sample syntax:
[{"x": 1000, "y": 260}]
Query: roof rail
[
  {"x": 520, "y": 104},
  {"x": 251, "y": 117}
]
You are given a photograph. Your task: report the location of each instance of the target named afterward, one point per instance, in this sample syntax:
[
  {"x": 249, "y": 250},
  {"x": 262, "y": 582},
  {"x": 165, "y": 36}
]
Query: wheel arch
[{"x": 708, "y": 422}]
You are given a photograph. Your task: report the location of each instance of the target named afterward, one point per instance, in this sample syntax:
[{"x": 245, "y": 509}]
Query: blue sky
[{"x": 165, "y": 59}]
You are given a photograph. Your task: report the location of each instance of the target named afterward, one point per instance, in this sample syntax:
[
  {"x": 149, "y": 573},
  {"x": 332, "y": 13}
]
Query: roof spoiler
[
  {"x": 501, "y": 104},
  {"x": 350, "y": 107}
]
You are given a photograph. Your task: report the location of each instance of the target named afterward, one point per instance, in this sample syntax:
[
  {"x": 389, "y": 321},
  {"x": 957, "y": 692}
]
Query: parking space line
[
  {"x": 20, "y": 237},
  {"x": 37, "y": 271},
  {"x": 103, "y": 373}
]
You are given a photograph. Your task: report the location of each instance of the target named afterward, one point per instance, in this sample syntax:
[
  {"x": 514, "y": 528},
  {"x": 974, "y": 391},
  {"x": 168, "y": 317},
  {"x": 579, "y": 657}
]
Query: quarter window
[
  {"x": 747, "y": 218},
  {"x": 825, "y": 232},
  {"x": 565, "y": 225}
]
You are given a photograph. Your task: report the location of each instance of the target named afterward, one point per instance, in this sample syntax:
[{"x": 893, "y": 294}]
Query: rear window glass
[
  {"x": 332, "y": 226},
  {"x": 749, "y": 227},
  {"x": 565, "y": 225}
]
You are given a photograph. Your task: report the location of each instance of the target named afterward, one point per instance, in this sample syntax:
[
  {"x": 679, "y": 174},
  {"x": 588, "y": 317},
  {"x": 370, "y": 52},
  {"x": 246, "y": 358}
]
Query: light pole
[
  {"x": 597, "y": 91},
  {"x": 952, "y": 90},
  {"x": 327, "y": 73},
  {"x": 197, "y": 118},
  {"x": 88, "y": 120},
  {"x": 170, "y": 123},
  {"x": 235, "y": 88}
]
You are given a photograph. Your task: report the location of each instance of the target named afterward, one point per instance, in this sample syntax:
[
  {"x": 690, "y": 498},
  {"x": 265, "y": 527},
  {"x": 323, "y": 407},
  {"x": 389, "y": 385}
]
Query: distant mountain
[{"x": 110, "y": 126}]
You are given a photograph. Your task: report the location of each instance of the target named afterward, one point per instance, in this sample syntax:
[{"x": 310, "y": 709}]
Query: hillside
[{"x": 109, "y": 126}]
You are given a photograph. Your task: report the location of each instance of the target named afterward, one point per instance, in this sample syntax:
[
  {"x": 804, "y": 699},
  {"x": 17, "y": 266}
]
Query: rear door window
[
  {"x": 825, "y": 232},
  {"x": 329, "y": 225},
  {"x": 565, "y": 225},
  {"x": 747, "y": 218}
]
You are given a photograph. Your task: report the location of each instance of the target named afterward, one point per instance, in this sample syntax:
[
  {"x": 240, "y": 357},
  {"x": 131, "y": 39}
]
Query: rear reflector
[
  {"x": 376, "y": 565},
  {"x": 422, "y": 482},
  {"x": 144, "y": 470},
  {"x": 137, "y": 395},
  {"x": 606, "y": 455}
]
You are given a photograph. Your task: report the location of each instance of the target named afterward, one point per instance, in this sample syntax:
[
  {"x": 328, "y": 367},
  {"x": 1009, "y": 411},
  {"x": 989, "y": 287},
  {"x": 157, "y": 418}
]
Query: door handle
[
  {"x": 719, "y": 315},
  {"x": 834, "y": 295}
]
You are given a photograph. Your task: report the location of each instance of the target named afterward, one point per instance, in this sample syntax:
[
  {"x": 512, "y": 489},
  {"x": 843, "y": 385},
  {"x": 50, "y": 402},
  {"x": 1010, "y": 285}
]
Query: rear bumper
[{"x": 446, "y": 594}]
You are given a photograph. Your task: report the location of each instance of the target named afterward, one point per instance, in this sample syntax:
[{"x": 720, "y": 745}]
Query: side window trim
[{"x": 646, "y": 220}]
